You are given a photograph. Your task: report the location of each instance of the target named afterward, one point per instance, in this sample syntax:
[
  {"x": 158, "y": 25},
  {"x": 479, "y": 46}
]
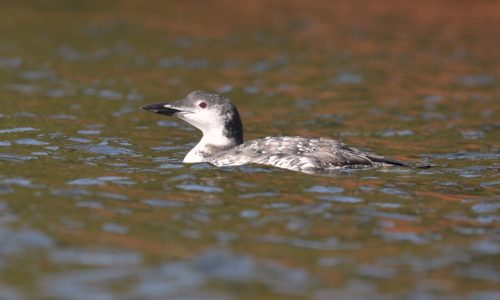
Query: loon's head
[{"x": 211, "y": 113}]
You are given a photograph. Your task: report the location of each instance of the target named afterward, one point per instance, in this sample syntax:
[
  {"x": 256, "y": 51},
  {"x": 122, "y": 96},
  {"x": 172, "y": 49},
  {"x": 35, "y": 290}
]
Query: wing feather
[{"x": 298, "y": 153}]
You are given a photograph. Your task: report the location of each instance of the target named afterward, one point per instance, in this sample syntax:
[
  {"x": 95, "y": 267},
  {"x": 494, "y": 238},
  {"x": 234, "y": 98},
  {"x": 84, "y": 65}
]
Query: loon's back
[{"x": 299, "y": 154}]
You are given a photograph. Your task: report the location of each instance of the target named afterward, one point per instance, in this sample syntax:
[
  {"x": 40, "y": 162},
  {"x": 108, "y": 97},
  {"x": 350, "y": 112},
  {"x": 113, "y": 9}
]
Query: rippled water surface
[{"x": 95, "y": 202}]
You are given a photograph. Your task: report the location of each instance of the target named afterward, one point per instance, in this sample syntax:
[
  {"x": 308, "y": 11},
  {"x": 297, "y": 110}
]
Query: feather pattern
[{"x": 299, "y": 154}]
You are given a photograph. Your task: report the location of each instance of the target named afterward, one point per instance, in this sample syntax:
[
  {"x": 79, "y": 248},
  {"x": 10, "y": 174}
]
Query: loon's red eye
[{"x": 202, "y": 104}]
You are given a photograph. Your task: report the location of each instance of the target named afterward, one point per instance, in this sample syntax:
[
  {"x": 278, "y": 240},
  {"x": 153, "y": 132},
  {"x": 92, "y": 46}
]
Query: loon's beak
[{"x": 167, "y": 109}]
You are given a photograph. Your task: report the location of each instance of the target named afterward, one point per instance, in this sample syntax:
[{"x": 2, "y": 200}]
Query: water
[{"x": 96, "y": 203}]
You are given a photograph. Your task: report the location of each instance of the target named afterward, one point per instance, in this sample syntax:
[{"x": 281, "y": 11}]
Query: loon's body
[{"x": 222, "y": 142}]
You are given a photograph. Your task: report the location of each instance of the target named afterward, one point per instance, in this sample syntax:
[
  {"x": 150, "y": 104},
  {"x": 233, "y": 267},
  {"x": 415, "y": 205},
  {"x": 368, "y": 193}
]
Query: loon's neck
[{"x": 210, "y": 144}]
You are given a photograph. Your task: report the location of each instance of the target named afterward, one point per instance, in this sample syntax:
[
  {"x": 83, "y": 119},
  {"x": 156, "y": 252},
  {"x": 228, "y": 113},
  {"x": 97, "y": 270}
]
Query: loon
[{"x": 222, "y": 142}]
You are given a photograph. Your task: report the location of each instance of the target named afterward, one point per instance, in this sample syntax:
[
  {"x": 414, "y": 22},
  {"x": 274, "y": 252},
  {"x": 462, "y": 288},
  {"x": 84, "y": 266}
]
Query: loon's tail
[{"x": 395, "y": 162}]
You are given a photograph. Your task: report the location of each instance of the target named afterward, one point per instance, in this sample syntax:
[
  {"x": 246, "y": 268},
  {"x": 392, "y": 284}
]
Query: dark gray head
[{"x": 211, "y": 113}]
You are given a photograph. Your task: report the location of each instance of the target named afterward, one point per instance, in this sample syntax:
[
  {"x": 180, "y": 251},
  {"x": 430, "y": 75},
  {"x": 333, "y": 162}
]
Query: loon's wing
[
  {"x": 360, "y": 157},
  {"x": 334, "y": 154},
  {"x": 298, "y": 153}
]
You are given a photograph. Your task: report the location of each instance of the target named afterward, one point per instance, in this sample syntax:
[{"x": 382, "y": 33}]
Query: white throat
[{"x": 213, "y": 141}]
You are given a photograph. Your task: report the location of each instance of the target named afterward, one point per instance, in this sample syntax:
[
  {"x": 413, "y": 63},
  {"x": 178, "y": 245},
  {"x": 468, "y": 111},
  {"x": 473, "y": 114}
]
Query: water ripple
[
  {"x": 95, "y": 258},
  {"x": 31, "y": 142},
  {"x": 163, "y": 203},
  {"x": 106, "y": 150},
  {"x": 199, "y": 188},
  {"x": 102, "y": 180},
  {"x": 16, "y": 157},
  {"x": 19, "y": 129},
  {"x": 188, "y": 278},
  {"x": 340, "y": 199},
  {"x": 324, "y": 189}
]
